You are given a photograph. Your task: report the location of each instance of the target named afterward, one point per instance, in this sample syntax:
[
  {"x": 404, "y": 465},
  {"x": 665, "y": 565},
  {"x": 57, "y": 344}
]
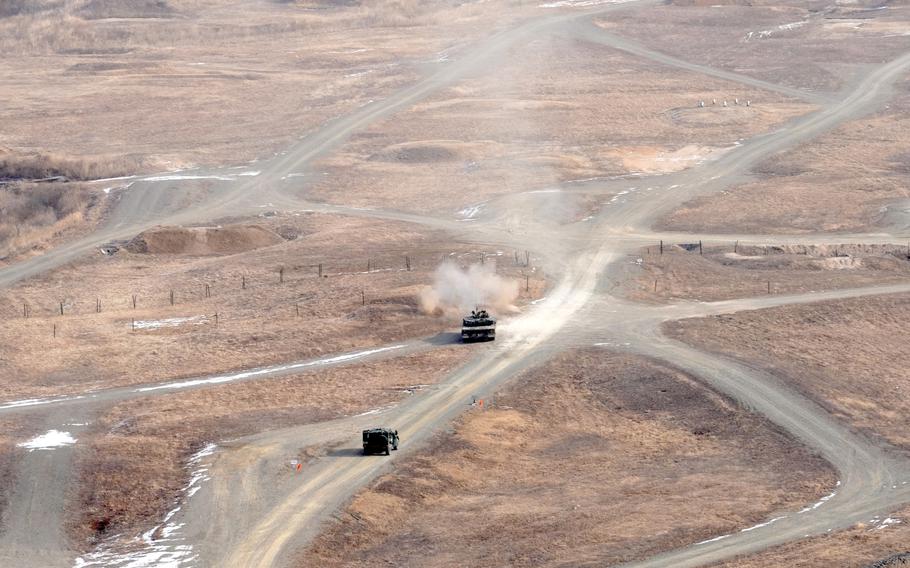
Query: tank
[{"x": 479, "y": 326}]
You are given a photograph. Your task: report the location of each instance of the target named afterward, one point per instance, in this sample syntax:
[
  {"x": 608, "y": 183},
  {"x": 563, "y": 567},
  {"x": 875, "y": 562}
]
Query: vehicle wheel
[
  {"x": 387, "y": 452},
  {"x": 395, "y": 447}
]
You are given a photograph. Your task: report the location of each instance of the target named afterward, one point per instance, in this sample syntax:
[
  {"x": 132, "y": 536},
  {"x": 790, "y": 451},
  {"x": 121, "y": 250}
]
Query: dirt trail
[{"x": 277, "y": 517}]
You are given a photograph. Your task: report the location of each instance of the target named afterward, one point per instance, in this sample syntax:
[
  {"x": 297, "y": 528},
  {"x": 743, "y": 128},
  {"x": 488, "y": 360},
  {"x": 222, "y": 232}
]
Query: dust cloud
[{"x": 457, "y": 290}]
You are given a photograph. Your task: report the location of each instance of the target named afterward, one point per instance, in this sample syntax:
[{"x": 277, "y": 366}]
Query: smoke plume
[{"x": 456, "y": 291}]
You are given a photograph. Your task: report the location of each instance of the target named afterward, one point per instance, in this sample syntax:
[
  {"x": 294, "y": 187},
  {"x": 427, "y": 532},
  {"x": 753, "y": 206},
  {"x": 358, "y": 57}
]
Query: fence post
[
  {"x": 243, "y": 282},
  {"x": 134, "y": 301},
  {"x": 61, "y": 308},
  {"x": 172, "y": 297},
  {"x": 407, "y": 263},
  {"x": 281, "y": 274},
  {"x": 661, "y": 247},
  {"x": 320, "y": 270},
  {"x": 699, "y": 248}
]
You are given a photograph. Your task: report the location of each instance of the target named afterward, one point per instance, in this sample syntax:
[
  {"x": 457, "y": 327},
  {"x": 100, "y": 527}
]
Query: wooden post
[
  {"x": 24, "y": 310},
  {"x": 281, "y": 275},
  {"x": 297, "y": 307},
  {"x": 769, "y": 286},
  {"x": 55, "y": 330},
  {"x": 363, "y": 298},
  {"x": 98, "y": 305},
  {"x": 208, "y": 291},
  {"x": 61, "y": 308},
  {"x": 134, "y": 301},
  {"x": 655, "y": 285},
  {"x": 407, "y": 263},
  {"x": 736, "y": 247},
  {"x": 172, "y": 297},
  {"x": 699, "y": 248},
  {"x": 320, "y": 270},
  {"x": 527, "y": 282},
  {"x": 216, "y": 319},
  {"x": 661, "y": 247},
  {"x": 243, "y": 282}
]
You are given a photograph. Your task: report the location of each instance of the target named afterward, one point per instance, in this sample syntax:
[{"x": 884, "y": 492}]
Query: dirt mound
[{"x": 202, "y": 240}]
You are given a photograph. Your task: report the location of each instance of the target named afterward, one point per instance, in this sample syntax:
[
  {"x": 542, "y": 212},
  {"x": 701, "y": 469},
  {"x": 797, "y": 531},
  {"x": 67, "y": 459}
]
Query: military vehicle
[
  {"x": 379, "y": 441},
  {"x": 479, "y": 326}
]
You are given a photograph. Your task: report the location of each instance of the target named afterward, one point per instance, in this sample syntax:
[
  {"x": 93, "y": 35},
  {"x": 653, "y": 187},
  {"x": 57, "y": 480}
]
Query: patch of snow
[
  {"x": 269, "y": 370},
  {"x": 783, "y": 27},
  {"x": 182, "y": 177},
  {"x": 168, "y": 549},
  {"x": 251, "y": 173},
  {"x": 37, "y": 401},
  {"x": 171, "y": 322},
  {"x": 820, "y": 502},
  {"x": 471, "y": 211},
  {"x": 715, "y": 539},
  {"x": 760, "y": 525},
  {"x": 48, "y": 441}
]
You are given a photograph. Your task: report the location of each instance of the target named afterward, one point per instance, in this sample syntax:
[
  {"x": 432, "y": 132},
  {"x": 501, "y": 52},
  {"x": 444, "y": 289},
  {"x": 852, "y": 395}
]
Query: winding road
[{"x": 233, "y": 522}]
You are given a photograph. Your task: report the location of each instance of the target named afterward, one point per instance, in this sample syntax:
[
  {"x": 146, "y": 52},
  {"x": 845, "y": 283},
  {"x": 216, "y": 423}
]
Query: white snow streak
[
  {"x": 268, "y": 370},
  {"x": 172, "y": 322}
]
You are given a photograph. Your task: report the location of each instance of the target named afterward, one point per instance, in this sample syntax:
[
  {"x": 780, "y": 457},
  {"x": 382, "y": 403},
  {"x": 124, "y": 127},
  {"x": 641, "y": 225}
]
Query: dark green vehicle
[
  {"x": 479, "y": 326},
  {"x": 379, "y": 441}
]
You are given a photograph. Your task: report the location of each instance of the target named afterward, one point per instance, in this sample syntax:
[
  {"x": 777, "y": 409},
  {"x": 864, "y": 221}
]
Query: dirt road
[{"x": 279, "y": 517}]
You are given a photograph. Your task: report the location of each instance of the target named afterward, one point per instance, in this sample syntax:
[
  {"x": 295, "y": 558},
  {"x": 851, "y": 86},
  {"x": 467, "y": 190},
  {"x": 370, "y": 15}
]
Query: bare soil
[
  {"x": 849, "y": 355},
  {"x": 366, "y": 297},
  {"x": 131, "y": 464},
  {"x": 876, "y": 544},
  {"x": 590, "y": 459},
  {"x": 740, "y": 271}
]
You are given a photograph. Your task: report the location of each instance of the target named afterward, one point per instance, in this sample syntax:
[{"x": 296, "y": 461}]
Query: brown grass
[
  {"x": 554, "y": 110},
  {"x": 592, "y": 459},
  {"x": 349, "y": 308},
  {"x": 132, "y": 462},
  {"x": 869, "y": 545},
  {"x": 852, "y": 179},
  {"x": 187, "y": 82},
  {"x": 722, "y": 274},
  {"x": 849, "y": 355}
]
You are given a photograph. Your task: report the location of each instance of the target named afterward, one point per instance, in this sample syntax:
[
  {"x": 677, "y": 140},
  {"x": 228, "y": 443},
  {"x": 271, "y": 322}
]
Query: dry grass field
[
  {"x": 591, "y": 459},
  {"x": 809, "y": 45},
  {"x": 551, "y": 111},
  {"x": 853, "y": 178},
  {"x": 849, "y": 355},
  {"x": 180, "y": 82},
  {"x": 366, "y": 297},
  {"x": 131, "y": 462},
  {"x": 722, "y": 274},
  {"x": 869, "y": 545}
]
